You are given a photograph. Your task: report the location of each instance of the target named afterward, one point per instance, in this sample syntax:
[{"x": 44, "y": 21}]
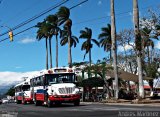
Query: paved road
[{"x": 84, "y": 110}]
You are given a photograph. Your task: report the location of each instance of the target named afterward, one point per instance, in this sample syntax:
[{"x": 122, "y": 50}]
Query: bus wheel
[
  {"x": 58, "y": 103},
  {"x": 19, "y": 101},
  {"x": 31, "y": 102},
  {"x": 49, "y": 103},
  {"x": 24, "y": 102},
  {"x": 37, "y": 103},
  {"x": 77, "y": 103}
]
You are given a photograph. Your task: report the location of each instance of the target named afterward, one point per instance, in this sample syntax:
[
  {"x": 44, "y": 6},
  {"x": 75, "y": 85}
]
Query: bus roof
[{"x": 26, "y": 82}]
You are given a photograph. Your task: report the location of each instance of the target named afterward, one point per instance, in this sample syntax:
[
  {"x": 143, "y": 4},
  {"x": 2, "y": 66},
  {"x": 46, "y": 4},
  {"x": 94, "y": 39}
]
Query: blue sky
[{"x": 25, "y": 53}]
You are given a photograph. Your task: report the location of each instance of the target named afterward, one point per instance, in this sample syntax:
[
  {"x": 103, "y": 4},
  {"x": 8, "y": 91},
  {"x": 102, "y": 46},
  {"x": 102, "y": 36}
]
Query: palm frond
[
  {"x": 103, "y": 35},
  {"x": 63, "y": 14},
  {"x": 95, "y": 41},
  {"x": 64, "y": 41},
  {"x": 83, "y": 36}
]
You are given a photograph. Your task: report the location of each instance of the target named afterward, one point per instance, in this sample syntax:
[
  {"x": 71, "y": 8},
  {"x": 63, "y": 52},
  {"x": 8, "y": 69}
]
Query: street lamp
[{"x": 10, "y": 33}]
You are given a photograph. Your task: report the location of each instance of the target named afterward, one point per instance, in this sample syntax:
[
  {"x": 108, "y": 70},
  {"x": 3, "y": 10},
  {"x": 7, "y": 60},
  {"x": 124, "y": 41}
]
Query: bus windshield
[
  {"x": 60, "y": 78},
  {"x": 26, "y": 87}
]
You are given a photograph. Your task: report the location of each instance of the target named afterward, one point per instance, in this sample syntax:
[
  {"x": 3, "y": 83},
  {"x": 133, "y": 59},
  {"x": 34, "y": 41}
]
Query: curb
[{"x": 125, "y": 104}]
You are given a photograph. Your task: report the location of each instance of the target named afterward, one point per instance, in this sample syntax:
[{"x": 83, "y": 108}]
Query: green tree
[
  {"x": 64, "y": 38},
  {"x": 151, "y": 71},
  {"x": 53, "y": 21},
  {"x": 44, "y": 32},
  {"x": 11, "y": 92},
  {"x": 64, "y": 18},
  {"x": 105, "y": 39},
  {"x": 87, "y": 45},
  {"x": 147, "y": 41}
]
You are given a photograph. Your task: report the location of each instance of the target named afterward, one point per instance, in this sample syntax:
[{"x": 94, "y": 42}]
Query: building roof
[{"x": 127, "y": 76}]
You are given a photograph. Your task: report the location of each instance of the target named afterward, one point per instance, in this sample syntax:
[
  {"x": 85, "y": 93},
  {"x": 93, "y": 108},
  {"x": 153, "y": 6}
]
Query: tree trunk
[
  {"x": 46, "y": 54},
  {"x": 69, "y": 51},
  {"x": 110, "y": 54},
  {"x": 106, "y": 89},
  {"x": 56, "y": 50},
  {"x": 50, "y": 52},
  {"x": 90, "y": 59},
  {"x": 114, "y": 48},
  {"x": 148, "y": 54},
  {"x": 126, "y": 64},
  {"x": 138, "y": 44}
]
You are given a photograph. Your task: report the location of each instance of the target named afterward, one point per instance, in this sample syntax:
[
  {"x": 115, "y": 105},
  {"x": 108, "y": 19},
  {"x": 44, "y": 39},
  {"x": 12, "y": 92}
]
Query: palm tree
[
  {"x": 105, "y": 38},
  {"x": 53, "y": 20},
  {"x": 114, "y": 48},
  {"x": 64, "y": 39},
  {"x": 147, "y": 41},
  {"x": 87, "y": 45},
  {"x": 138, "y": 44},
  {"x": 64, "y": 18},
  {"x": 43, "y": 32}
]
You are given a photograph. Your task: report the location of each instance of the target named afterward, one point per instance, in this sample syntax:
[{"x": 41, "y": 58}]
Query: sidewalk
[{"x": 129, "y": 103}]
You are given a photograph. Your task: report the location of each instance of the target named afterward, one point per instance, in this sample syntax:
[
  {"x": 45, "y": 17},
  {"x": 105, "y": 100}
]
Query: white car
[{"x": 5, "y": 100}]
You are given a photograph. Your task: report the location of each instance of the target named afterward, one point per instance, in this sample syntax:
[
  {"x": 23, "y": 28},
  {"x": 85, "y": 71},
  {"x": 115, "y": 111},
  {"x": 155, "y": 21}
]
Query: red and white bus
[
  {"x": 55, "y": 86},
  {"x": 23, "y": 92}
]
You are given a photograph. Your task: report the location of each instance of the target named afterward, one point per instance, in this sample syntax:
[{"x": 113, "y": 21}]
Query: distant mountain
[{"x": 4, "y": 87}]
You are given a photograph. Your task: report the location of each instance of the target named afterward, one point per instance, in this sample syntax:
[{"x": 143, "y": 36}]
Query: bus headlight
[
  {"x": 76, "y": 91},
  {"x": 52, "y": 91}
]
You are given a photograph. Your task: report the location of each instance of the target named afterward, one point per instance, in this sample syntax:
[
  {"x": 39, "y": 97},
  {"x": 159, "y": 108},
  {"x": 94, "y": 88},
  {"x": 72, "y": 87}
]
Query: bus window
[
  {"x": 26, "y": 87},
  {"x": 38, "y": 81},
  {"x": 41, "y": 80}
]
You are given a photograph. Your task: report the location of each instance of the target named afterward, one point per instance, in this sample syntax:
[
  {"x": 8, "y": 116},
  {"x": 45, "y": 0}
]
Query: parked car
[{"x": 5, "y": 100}]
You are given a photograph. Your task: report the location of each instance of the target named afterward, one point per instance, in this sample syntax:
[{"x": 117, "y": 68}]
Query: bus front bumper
[
  {"x": 28, "y": 99},
  {"x": 64, "y": 98}
]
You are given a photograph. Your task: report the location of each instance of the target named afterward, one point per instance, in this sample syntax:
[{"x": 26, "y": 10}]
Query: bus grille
[{"x": 66, "y": 90}]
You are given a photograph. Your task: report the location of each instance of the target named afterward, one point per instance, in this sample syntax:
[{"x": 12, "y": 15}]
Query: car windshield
[
  {"x": 26, "y": 87},
  {"x": 60, "y": 78}
]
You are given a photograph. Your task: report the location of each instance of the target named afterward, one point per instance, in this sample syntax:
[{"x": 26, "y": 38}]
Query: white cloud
[
  {"x": 8, "y": 77},
  {"x": 18, "y": 67},
  {"x": 157, "y": 45},
  {"x": 99, "y": 2},
  {"x": 127, "y": 47},
  {"x": 27, "y": 40}
]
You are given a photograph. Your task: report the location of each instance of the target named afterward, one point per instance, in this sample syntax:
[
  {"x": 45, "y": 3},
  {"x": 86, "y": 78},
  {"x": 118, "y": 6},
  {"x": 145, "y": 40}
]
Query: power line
[
  {"x": 103, "y": 17},
  {"x": 78, "y": 4},
  {"x": 34, "y": 26},
  {"x": 89, "y": 20},
  {"x": 36, "y": 16},
  {"x": 57, "y": 5},
  {"x": 19, "y": 13}
]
